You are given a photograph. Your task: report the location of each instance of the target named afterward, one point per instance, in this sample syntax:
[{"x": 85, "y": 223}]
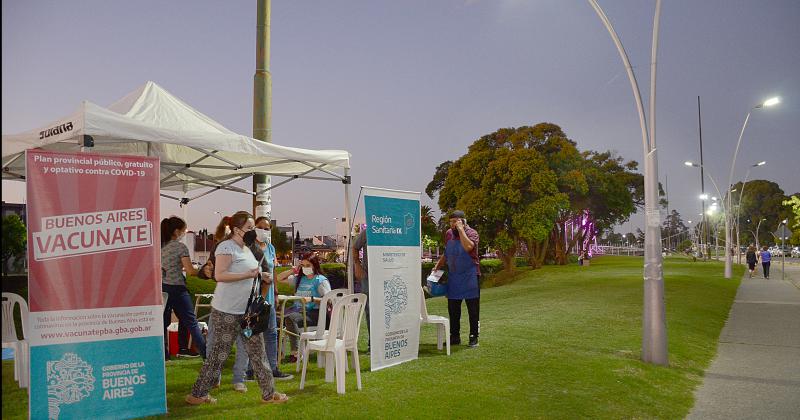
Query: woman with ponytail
[
  {"x": 235, "y": 267},
  {"x": 174, "y": 262}
]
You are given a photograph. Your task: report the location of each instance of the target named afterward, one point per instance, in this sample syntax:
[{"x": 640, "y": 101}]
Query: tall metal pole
[
  {"x": 262, "y": 106},
  {"x": 728, "y": 257},
  {"x": 292, "y": 242},
  {"x": 705, "y": 230},
  {"x": 757, "y": 227},
  {"x": 654, "y": 334},
  {"x": 739, "y": 206}
]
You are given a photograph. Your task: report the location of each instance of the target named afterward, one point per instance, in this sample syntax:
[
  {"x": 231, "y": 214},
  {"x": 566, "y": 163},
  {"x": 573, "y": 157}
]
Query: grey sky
[{"x": 405, "y": 85}]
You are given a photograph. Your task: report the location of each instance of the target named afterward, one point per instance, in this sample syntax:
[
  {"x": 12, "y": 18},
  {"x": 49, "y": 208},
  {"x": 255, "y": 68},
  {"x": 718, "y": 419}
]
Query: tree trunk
[
  {"x": 531, "y": 245},
  {"x": 542, "y": 251},
  {"x": 559, "y": 256},
  {"x": 507, "y": 256}
]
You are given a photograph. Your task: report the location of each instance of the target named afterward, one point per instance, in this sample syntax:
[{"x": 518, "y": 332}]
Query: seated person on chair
[{"x": 309, "y": 283}]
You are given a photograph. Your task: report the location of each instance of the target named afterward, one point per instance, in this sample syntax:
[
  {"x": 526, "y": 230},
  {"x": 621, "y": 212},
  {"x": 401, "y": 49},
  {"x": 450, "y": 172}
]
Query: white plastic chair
[
  {"x": 343, "y": 336},
  {"x": 442, "y": 324},
  {"x": 10, "y": 339},
  {"x": 319, "y": 332}
]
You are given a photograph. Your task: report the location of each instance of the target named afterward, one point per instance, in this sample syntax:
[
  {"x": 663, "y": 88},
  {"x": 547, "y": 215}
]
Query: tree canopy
[
  {"x": 15, "y": 236},
  {"x": 761, "y": 199},
  {"x": 521, "y": 186}
]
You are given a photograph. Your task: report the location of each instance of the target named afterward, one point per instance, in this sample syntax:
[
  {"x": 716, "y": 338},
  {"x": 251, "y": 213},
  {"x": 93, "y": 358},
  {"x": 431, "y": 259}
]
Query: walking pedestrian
[
  {"x": 751, "y": 259},
  {"x": 234, "y": 269},
  {"x": 766, "y": 257}
]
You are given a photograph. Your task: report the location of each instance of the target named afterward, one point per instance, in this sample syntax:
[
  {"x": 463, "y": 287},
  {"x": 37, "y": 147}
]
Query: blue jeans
[
  {"x": 242, "y": 362},
  {"x": 180, "y": 302}
]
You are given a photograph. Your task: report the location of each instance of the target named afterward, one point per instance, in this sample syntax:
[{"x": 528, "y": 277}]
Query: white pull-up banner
[{"x": 393, "y": 252}]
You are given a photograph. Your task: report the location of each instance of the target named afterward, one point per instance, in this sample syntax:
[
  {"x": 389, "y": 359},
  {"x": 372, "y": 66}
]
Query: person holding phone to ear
[{"x": 463, "y": 271}]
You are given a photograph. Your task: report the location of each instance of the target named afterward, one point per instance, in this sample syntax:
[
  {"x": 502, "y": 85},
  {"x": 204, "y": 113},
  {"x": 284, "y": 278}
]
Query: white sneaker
[{"x": 240, "y": 387}]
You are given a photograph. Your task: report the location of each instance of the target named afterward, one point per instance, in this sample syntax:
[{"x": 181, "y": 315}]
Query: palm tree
[{"x": 426, "y": 214}]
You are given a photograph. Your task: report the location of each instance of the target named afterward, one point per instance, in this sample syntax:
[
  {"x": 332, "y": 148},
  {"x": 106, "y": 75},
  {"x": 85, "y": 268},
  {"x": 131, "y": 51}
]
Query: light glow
[{"x": 771, "y": 102}]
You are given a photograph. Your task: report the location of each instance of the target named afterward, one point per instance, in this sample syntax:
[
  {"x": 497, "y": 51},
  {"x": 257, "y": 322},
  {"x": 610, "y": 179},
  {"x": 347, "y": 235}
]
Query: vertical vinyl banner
[
  {"x": 94, "y": 286},
  {"x": 394, "y": 257}
]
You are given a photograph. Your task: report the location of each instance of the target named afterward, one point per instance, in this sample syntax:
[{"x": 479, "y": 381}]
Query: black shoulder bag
[{"x": 256, "y": 316}]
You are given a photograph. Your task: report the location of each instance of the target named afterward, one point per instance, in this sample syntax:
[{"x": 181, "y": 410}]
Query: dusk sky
[{"x": 406, "y": 85}]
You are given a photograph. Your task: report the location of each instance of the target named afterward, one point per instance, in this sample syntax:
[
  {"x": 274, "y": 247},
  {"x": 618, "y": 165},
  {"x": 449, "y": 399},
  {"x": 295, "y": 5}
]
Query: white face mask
[
  {"x": 263, "y": 235},
  {"x": 181, "y": 237},
  {"x": 308, "y": 271}
]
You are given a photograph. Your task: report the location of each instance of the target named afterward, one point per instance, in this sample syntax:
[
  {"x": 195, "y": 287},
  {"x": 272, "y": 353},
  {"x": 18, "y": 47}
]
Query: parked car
[
  {"x": 796, "y": 252},
  {"x": 775, "y": 252}
]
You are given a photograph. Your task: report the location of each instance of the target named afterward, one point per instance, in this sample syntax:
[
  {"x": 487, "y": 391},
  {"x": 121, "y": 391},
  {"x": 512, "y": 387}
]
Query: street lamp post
[
  {"x": 783, "y": 250},
  {"x": 292, "y": 223},
  {"x": 758, "y": 226},
  {"x": 654, "y": 325},
  {"x": 335, "y": 236},
  {"x": 728, "y": 260},
  {"x": 739, "y": 206}
]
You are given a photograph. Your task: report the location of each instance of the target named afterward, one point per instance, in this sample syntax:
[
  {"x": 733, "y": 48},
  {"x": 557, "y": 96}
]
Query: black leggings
[
  {"x": 473, "y": 308},
  {"x": 765, "y": 266}
]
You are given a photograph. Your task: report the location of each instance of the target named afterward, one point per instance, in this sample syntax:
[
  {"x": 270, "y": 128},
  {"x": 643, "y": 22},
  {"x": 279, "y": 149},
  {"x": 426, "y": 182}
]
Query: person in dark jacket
[{"x": 752, "y": 259}]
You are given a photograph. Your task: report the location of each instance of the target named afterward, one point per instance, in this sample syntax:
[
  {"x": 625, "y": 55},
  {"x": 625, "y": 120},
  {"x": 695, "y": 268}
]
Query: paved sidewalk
[{"x": 756, "y": 373}]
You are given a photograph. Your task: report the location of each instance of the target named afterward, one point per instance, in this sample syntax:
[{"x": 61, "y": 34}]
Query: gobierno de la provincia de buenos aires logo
[{"x": 70, "y": 380}]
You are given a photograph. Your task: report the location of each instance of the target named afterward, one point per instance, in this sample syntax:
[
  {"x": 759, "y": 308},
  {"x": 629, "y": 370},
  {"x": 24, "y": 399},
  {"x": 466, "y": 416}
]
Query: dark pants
[
  {"x": 363, "y": 287},
  {"x": 180, "y": 302},
  {"x": 765, "y": 266},
  {"x": 294, "y": 321},
  {"x": 473, "y": 309}
]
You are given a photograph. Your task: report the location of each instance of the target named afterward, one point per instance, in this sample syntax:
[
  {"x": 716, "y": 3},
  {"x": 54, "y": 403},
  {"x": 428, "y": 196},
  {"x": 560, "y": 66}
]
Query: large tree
[
  {"x": 761, "y": 200},
  {"x": 515, "y": 164},
  {"x": 614, "y": 191},
  {"x": 673, "y": 229},
  {"x": 507, "y": 190},
  {"x": 794, "y": 221},
  {"x": 15, "y": 237},
  {"x": 280, "y": 241}
]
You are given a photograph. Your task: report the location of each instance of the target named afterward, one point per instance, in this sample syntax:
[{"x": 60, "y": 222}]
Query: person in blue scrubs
[{"x": 463, "y": 271}]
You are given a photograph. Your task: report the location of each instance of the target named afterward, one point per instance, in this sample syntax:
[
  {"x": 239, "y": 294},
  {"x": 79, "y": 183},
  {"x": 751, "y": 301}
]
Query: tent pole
[{"x": 349, "y": 219}]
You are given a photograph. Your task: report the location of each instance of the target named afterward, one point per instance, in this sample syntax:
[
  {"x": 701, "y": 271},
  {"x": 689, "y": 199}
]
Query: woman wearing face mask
[
  {"x": 174, "y": 261},
  {"x": 308, "y": 282},
  {"x": 234, "y": 269},
  {"x": 259, "y": 242}
]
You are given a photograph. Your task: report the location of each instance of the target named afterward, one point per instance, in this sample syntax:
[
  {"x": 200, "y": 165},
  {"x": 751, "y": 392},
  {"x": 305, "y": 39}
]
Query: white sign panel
[{"x": 393, "y": 252}]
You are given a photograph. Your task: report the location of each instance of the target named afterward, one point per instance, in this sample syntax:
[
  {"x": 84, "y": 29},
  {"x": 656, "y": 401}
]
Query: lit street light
[
  {"x": 757, "y": 227},
  {"x": 654, "y": 324},
  {"x": 728, "y": 260},
  {"x": 712, "y": 210},
  {"x": 739, "y": 206}
]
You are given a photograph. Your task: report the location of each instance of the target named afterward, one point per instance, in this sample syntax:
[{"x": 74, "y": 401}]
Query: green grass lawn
[{"x": 559, "y": 342}]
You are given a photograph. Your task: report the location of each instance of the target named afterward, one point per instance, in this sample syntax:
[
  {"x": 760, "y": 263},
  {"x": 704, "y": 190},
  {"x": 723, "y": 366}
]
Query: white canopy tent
[{"x": 197, "y": 153}]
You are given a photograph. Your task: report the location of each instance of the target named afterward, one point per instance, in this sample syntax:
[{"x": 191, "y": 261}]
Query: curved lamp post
[
  {"x": 739, "y": 207},
  {"x": 725, "y": 208},
  {"x": 728, "y": 260},
  {"x": 757, "y": 227},
  {"x": 654, "y": 325}
]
